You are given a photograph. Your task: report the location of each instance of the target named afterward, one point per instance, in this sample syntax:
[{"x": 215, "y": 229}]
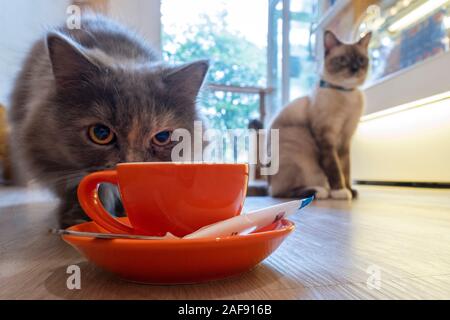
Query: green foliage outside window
[{"x": 234, "y": 61}]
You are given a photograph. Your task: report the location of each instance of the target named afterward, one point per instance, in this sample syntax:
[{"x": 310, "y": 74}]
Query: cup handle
[{"x": 90, "y": 201}]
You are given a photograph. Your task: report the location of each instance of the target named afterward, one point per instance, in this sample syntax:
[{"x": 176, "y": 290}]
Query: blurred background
[{"x": 265, "y": 53}]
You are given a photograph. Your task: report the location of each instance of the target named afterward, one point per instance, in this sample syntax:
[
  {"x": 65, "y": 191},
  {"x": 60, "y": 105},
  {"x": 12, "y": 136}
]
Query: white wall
[
  {"x": 142, "y": 15},
  {"x": 22, "y": 22}
]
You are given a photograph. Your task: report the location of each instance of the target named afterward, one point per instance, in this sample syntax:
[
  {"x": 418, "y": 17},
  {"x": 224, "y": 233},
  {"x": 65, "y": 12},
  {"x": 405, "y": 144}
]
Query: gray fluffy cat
[
  {"x": 88, "y": 99},
  {"x": 316, "y": 131}
]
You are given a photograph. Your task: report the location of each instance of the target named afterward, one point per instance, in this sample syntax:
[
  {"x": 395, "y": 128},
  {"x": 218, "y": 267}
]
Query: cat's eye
[
  {"x": 362, "y": 61},
  {"x": 162, "y": 138},
  {"x": 101, "y": 134},
  {"x": 343, "y": 60}
]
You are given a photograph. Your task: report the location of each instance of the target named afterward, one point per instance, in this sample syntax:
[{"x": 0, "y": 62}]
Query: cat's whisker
[{"x": 71, "y": 177}]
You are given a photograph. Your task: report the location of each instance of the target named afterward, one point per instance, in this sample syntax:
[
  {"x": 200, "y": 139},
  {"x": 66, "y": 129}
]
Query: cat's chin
[
  {"x": 346, "y": 82},
  {"x": 355, "y": 81}
]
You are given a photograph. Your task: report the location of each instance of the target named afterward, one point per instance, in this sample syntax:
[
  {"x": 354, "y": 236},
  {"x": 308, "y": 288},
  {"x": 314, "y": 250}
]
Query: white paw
[
  {"x": 321, "y": 193},
  {"x": 341, "y": 194}
]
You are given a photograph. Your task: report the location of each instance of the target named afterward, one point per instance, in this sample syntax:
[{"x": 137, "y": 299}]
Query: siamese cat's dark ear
[
  {"x": 330, "y": 41},
  {"x": 69, "y": 63},
  {"x": 188, "y": 78},
  {"x": 364, "y": 41}
]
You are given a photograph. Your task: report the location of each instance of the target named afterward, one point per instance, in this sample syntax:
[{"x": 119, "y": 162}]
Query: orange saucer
[{"x": 179, "y": 261}]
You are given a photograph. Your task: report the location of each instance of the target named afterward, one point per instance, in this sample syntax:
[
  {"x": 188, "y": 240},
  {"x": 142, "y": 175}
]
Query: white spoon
[{"x": 99, "y": 235}]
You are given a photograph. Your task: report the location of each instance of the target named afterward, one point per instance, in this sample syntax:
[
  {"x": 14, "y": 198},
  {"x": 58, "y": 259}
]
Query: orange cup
[{"x": 161, "y": 197}]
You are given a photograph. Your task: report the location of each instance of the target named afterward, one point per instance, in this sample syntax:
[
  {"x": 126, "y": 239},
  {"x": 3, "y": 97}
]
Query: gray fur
[
  {"x": 102, "y": 73},
  {"x": 316, "y": 131}
]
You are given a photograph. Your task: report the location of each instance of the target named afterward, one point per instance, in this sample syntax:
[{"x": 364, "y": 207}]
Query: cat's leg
[
  {"x": 331, "y": 165},
  {"x": 319, "y": 193},
  {"x": 282, "y": 186},
  {"x": 300, "y": 174},
  {"x": 70, "y": 211},
  {"x": 298, "y": 192},
  {"x": 281, "y": 183},
  {"x": 344, "y": 156},
  {"x": 287, "y": 183}
]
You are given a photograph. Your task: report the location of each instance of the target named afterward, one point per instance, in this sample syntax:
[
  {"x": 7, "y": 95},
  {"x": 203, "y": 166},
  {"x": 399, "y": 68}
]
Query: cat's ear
[
  {"x": 68, "y": 61},
  {"x": 188, "y": 78},
  {"x": 330, "y": 41},
  {"x": 364, "y": 41}
]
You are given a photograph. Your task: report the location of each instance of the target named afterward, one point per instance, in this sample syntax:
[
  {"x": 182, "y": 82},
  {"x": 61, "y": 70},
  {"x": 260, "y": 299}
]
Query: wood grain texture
[{"x": 405, "y": 233}]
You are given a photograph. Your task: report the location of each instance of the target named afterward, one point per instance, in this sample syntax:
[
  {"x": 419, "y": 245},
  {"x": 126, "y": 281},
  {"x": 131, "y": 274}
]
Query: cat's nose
[
  {"x": 134, "y": 156},
  {"x": 354, "y": 68}
]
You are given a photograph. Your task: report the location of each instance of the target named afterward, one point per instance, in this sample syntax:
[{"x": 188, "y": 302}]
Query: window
[
  {"x": 233, "y": 35},
  {"x": 292, "y": 63},
  {"x": 261, "y": 54}
]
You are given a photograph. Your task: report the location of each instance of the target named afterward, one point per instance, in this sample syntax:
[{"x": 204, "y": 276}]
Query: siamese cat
[{"x": 316, "y": 131}]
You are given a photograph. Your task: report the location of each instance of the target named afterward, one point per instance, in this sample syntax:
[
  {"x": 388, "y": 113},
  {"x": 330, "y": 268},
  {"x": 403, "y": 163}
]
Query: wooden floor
[{"x": 392, "y": 243}]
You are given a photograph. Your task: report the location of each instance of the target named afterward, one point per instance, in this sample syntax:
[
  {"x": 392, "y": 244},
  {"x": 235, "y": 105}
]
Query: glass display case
[
  {"x": 407, "y": 32},
  {"x": 407, "y": 115}
]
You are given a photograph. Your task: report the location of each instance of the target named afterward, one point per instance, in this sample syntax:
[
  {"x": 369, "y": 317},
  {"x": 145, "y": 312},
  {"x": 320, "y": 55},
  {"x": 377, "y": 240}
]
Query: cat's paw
[
  {"x": 321, "y": 193},
  {"x": 341, "y": 194},
  {"x": 354, "y": 193},
  {"x": 71, "y": 217},
  {"x": 66, "y": 223}
]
